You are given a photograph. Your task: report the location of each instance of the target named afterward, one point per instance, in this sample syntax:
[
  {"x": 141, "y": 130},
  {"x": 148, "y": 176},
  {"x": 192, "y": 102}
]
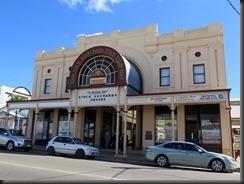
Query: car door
[
  {"x": 176, "y": 153},
  {"x": 69, "y": 146},
  {"x": 193, "y": 157},
  {"x": 58, "y": 144}
]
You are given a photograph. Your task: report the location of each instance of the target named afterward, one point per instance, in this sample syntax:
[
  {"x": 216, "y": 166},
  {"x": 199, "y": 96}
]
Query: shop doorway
[
  {"x": 192, "y": 127},
  {"x": 202, "y": 126},
  {"x": 44, "y": 127},
  {"x": 89, "y": 127},
  {"x": 108, "y": 122}
]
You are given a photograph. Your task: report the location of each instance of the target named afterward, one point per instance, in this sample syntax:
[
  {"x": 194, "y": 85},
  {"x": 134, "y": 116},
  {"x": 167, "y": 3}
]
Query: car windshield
[
  {"x": 78, "y": 141},
  {"x": 16, "y": 132}
]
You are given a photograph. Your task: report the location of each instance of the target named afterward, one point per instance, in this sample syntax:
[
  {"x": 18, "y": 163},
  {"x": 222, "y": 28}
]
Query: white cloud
[
  {"x": 92, "y": 5},
  {"x": 71, "y": 3},
  {"x": 97, "y": 5}
]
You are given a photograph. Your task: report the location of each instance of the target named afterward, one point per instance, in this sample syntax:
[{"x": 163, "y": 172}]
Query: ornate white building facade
[{"x": 137, "y": 82}]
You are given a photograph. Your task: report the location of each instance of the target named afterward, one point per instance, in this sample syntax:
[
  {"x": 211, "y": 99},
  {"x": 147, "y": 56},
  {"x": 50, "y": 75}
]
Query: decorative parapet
[{"x": 149, "y": 33}]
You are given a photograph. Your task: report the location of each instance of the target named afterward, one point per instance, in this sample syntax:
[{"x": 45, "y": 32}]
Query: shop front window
[
  {"x": 163, "y": 125},
  {"x": 210, "y": 125},
  {"x": 203, "y": 126},
  {"x": 63, "y": 123},
  {"x": 44, "y": 126}
]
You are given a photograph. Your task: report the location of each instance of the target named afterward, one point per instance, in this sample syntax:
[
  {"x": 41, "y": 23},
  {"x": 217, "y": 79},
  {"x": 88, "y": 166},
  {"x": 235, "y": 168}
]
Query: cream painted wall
[
  {"x": 225, "y": 130},
  {"x": 29, "y": 127},
  {"x": 145, "y": 46},
  {"x": 181, "y": 122},
  {"x": 79, "y": 124},
  {"x": 55, "y": 122},
  {"x": 148, "y": 125}
]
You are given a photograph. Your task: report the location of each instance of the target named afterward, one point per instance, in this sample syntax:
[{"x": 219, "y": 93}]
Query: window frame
[
  {"x": 199, "y": 74},
  {"x": 67, "y": 85},
  {"x": 47, "y": 86},
  {"x": 164, "y": 77}
]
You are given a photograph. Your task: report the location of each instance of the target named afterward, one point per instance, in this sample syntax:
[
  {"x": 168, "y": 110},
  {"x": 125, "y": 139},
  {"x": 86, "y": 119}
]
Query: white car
[{"x": 70, "y": 146}]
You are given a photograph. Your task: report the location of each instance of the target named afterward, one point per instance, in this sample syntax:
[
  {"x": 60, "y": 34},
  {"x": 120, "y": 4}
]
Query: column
[
  {"x": 125, "y": 122},
  {"x": 173, "y": 123},
  {"x": 125, "y": 131},
  {"x": 6, "y": 121},
  {"x": 69, "y": 114},
  {"x": 34, "y": 128},
  {"x": 117, "y": 121},
  {"x": 75, "y": 120},
  {"x": 117, "y": 132}
]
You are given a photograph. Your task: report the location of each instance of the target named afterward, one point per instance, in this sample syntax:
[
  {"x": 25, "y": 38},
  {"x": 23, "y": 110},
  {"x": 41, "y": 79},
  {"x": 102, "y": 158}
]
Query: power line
[{"x": 233, "y": 7}]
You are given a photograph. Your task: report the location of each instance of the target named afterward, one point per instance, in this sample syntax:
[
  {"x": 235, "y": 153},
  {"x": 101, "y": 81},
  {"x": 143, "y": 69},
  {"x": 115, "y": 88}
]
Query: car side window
[
  {"x": 190, "y": 147},
  {"x": 59, "y": 139},
  {"x": 177, "y": 146},
  {"x": 169, "y": 146},
  {"x": 68, "y": 140}
]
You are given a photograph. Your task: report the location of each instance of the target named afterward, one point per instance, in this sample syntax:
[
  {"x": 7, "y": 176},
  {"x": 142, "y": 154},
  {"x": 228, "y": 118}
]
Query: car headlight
[{"x": 88, "y": 149}]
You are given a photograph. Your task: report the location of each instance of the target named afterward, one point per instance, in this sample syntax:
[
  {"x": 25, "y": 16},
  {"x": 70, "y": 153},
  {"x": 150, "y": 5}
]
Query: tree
[{"x": 15, "y": 97}]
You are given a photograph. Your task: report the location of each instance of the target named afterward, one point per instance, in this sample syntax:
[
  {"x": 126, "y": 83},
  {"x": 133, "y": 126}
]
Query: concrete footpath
[{"x": 132, "y": 156}]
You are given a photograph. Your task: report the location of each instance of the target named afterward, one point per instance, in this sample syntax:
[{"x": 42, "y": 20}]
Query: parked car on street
[
  {"x": 71, "y": 146},
  {"x": 12, "y": 138},
  {"x": 189, "y": 154}
]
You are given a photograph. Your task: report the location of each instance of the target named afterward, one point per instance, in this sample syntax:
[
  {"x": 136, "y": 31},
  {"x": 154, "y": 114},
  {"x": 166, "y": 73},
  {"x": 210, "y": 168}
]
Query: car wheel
[
  {"x": 162, "y": 161},
  {"x": 50, "y": 150},
  {"x": 80, "y": 153},
  {"x": 10, "y": 146},
  {"x": 217, "y": 165}
]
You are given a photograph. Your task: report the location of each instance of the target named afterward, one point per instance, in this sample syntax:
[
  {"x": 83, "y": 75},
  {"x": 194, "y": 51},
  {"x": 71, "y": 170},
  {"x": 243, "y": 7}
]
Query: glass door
[
  {"x": 44, "y": 127},
  {"x": 192, "y": 128},
  {"x": 89, "y": 127},
  {"x": 89, "y": 133}
]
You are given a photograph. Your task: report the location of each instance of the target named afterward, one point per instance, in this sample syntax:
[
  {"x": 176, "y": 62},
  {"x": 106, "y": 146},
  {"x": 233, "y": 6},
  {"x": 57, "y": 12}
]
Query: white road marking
[{"x": 61, "y": 171}]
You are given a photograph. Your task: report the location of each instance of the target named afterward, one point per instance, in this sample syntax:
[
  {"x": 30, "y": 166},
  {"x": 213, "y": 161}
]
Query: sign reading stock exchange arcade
[{"x": 101, "y": 96}]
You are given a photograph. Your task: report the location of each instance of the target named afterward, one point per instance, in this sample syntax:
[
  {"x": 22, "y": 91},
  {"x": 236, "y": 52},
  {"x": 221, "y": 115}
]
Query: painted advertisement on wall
[{"x": 63, "y": 128}]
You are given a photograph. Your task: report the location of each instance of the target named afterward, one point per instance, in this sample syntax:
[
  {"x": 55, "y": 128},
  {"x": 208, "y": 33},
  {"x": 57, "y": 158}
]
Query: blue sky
[{"x": 28, "y": 26}]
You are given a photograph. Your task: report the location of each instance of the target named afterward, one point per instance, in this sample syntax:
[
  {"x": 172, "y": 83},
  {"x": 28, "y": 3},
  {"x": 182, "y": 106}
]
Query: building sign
[
  {"x": 207, "y": 97},
  {"x": 101, "y": 96},
  {"x": 151, "y": 100}
]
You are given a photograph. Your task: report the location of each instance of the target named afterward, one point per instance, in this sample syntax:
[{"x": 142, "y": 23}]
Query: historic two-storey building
[{"x": 152, "y": 87}]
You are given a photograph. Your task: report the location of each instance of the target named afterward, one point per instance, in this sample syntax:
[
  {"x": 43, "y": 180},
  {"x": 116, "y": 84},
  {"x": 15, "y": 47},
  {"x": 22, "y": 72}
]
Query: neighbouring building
[
  {"x": 152, "y": 87},
  {"x": 17, "y": 118},
  {"x": 236, "y": 125}
]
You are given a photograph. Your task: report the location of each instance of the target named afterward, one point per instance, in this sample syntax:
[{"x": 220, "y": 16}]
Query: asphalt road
[{"x": 33, "y": 166}]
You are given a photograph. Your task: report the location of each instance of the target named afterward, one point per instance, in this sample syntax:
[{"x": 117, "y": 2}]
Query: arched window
[
  {"x": 101, "y": 67},
  {"x": 134, "y": 79}
]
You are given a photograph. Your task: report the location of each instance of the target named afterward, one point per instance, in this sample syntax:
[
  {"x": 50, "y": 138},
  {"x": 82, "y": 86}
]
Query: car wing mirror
[
  {"x": 5, "y": 133},
  {"x": 200, "y": 151}
]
